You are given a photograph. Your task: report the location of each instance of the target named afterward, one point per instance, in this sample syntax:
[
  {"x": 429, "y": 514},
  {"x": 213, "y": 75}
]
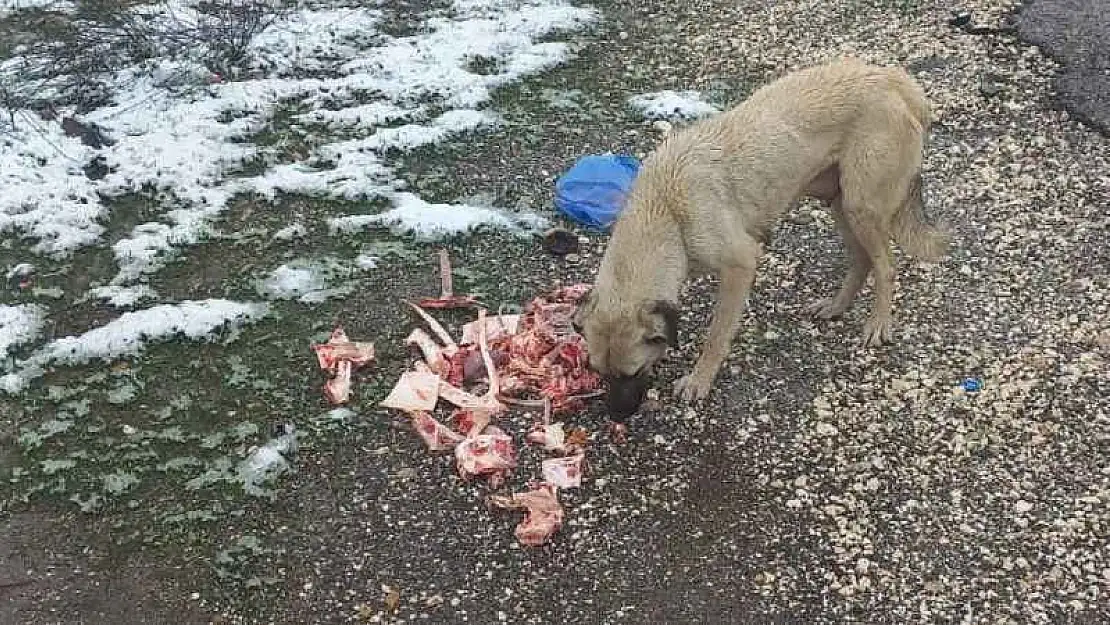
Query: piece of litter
[
  {"x": 972, "y": 385},
  {"x": 593, "y": 190},
  {"x": 565, "y": 472},
  {"x": 447, "y": 297},
  {"x": 543, "y": 513},
  {"x": 416, "y": 391}
]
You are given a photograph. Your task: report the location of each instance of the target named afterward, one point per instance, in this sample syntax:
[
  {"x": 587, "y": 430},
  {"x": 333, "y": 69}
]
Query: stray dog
[{"x": 848, "y": 133}]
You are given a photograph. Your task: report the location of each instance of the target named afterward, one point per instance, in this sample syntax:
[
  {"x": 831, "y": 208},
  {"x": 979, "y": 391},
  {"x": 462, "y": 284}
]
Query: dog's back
[{"x": 759, "y": 156}]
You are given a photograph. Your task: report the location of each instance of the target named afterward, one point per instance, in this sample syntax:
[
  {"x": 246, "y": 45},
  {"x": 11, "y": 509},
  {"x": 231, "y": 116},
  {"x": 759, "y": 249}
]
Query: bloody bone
[
  {"x": 547, "y": 358},
  {"x": 437, "y": 437},
  {"x": 340, "y": 356},
  {"x": 491, "y": 455},
  {"x": 543, "y": 513},
  {"x": 565, "y": 472},
  {"x": 447, "y": 297}
]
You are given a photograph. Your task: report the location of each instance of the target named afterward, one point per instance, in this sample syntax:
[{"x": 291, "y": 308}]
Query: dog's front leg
[{"x": 732, "y": 299}]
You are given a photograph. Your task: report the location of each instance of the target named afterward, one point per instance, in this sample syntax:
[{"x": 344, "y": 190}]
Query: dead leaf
[
  {"x": 364, "y": 612},
  {"x": 392, "y": 598}
]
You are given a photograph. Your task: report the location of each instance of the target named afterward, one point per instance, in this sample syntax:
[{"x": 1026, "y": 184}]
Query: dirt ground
[{"x": 819, "y": 483}]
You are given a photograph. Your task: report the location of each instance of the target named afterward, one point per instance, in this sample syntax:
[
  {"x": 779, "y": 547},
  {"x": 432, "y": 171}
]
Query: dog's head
[{"x": 625, "y": 341}]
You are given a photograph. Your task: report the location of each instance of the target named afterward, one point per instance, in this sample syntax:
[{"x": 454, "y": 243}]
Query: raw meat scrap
[
  {"x": 544, "y": 514},
  {"x": 447, "y": 297},
  {"x": 565, "y": 472},
  {"x": 339, "y": 347},
  {"x": 554, "y": 437},
  {"x": 340, "y": 356},
  {"x": 415, "y": 391},
  {"x": 432, "y": 352},
  {"x": 470, "y": 422},
  {"x": 437, "y": 436},
  {"x": 337, "y": 389},
  {"x": 449, "y": 346},
  {"x": 497, "y": 327},
  {"x": 488, "y": 455},
  {"x": 547, "y": 358}
]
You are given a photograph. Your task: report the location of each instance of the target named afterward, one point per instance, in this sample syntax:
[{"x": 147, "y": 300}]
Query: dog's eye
[{"x": 657, "y": 340}]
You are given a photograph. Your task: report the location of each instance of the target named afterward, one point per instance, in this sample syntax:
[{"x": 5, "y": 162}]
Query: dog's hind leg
[
  {"x": 854, "y": 280},
  {"x": 732, "y": 299},
  {"x": 876, "y": 241}
]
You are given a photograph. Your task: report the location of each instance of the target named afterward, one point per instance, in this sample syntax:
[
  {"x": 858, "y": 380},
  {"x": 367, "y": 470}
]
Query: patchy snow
[
  {"x": 131, "y": 332},
  {"x": 290, "y": 232},
  {"x": 672, "y": 105},
  {"x": 367, "y": 261},
  {"x": 19, "y": 325},
  {"x": 268, "y": 461},
  {"x": 307, "y": 281},
  {"x": 7, "y": 7},
  {"x": 123, "y": 296},
  {"x": 183, "y": 132},
  {"x": 426, "y": 221},
  {"x": 20, "y": 271}
]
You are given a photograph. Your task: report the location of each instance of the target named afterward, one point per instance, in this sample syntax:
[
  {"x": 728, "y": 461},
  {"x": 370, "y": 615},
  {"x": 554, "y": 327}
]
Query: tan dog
[{"x": 847, "y": 133}]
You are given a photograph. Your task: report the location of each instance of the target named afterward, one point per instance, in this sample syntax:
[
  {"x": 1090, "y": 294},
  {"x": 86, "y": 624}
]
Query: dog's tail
[{"x": 913, "y": 233}]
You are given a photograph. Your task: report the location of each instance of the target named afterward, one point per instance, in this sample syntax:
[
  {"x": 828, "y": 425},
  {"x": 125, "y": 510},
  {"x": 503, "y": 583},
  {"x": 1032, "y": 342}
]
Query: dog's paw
[
  {"x": 828, "y": 308},
  {"x": 693, "y": 387},
  {"x": 877, "y": 331}
]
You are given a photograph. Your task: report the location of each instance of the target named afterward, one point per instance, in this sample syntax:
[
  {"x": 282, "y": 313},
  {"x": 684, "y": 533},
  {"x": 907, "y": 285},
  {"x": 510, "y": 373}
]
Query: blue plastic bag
[{"x": 592, "y": 192}]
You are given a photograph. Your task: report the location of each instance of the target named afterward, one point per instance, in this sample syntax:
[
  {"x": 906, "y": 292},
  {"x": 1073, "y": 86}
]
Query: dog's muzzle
[{"x": 626, "y": 393}]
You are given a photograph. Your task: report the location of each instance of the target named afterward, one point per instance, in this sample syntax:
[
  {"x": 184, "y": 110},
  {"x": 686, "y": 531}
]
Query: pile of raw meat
[{"x": 534, "y": 359}]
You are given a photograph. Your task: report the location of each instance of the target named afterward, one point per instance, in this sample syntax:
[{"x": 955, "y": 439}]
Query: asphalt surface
[{"x": 1077, "y": 34}]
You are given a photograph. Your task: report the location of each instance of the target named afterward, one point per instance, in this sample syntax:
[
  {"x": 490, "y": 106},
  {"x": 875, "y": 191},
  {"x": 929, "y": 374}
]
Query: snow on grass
[
  {"x": 7, "y": 7},
  {"x": 19, "y": 325},
  {"x": 290, "y": 232},
  {"x": 427, "y": 221},
  {"x": 123, "y": 296},
  {"x": 306, "y": 281},
  {"x": 184, "y": 132},
  {"x": 130, "y": 333},
  {"x": 671, "y": 105}
]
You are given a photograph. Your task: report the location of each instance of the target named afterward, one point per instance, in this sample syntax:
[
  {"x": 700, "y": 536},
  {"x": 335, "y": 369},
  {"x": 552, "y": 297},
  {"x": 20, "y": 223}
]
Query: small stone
[
  {"x": 801, "y": 218},
  {"x": 662, "y": 126},
  {"x": 1022, "y": 506},
  {"x": 560, "y": 242},
  {"x": 573, "y": 258},
  {"x": 826, "y": 429},
  {"x": 960, "y": 18}
]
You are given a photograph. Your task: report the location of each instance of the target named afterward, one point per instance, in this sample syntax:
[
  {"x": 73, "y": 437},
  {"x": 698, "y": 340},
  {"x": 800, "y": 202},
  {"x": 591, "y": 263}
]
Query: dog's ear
[
  {"x": 585, "y": 306},
  {"x": 663, "y": 322}
]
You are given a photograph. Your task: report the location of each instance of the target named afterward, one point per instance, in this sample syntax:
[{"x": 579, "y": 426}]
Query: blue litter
[
  {"x": 592, "y": 191},
  {"x": 972, "y": 385}
]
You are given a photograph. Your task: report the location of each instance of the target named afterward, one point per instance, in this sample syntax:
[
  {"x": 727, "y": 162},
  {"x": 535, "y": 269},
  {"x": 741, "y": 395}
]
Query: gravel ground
[{"x": 819, "y": 483}]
